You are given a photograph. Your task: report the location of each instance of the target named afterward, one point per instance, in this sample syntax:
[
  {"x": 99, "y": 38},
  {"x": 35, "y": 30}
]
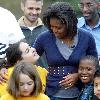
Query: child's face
[
  {"x": 86, "y": 71},
  {"x": 28, "y": 53},
  {"x": 26, "y": 85},
  {"x": 97, "y": 87}
]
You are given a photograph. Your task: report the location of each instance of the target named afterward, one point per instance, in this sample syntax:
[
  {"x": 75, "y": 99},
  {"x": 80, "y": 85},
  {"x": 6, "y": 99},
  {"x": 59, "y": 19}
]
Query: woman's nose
[{"x": 55, "y": 30}]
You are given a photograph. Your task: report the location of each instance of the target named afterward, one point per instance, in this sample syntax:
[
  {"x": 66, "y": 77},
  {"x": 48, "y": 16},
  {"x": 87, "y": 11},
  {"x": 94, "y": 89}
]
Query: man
[
  {"x": 31, "y": 24},
  {"x": 10, "y": 33},
  {"x": 91, "y": 19}
]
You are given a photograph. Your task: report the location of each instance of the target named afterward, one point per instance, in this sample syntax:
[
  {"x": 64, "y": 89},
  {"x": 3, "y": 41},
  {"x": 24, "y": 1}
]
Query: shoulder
[
  {"x": 86, "y": 36},
  {"x": 80, "y": 19},
  {"x": 81, "y": 22},
  {"x": 42, "y": 70},
  {"x": 44, "y": 36},
  {"x": 83, "y": 33},
  {"x": 6, "y": 96},
  {"x": 39, "y": 97},
  {"x": 43, "y": 97}
]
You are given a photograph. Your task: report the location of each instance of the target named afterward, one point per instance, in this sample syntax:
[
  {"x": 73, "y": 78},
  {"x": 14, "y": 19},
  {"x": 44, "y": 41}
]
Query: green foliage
[{"x": 14, "y": 6}]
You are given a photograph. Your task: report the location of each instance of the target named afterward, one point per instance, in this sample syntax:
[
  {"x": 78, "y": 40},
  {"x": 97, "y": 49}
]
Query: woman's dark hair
[
  {"x": 27, "y": 69},
  {"x": 94, "y": 60},
  {"x": 65, "y": 13},
  {"x": 13, "y": 54}
]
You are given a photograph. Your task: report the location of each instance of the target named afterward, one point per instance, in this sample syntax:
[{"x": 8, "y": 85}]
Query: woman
[
  {"x": 22, "y": 51},
  {"x": 63, "y": 45},
  {"x": 24, "y": 84}
]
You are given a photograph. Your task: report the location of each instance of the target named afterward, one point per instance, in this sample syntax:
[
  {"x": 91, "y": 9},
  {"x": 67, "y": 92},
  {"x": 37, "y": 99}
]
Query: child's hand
[{"x": 3, "y": 72}]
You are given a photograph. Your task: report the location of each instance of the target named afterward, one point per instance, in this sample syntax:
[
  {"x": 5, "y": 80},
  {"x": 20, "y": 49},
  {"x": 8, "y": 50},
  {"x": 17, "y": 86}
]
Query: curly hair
[{"x": 65, "y": 13}]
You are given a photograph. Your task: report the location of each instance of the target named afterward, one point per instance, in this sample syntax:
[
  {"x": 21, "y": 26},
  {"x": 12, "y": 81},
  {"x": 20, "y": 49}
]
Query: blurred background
[{"x": 14, "y": 6}]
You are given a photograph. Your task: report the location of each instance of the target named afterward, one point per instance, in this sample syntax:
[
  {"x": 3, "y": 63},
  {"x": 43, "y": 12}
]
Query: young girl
[
  {"x": 22, "y": 51},
  {"x": 87, "y": 68},
  {"x": 24, "y": 84},
  {"x": 96, "y": 85}
]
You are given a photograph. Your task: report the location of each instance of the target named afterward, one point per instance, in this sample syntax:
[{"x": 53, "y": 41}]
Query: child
[
  {"x": 87, "y": 68},
  {"x": 97, "y": 85},
  {"x": 24, "y": 84},
  {"x": 22, "y": 51}
]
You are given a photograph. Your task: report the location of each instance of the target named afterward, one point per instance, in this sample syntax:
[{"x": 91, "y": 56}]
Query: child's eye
[
  {"x": 89, "y": 69},
  {"x": 30, "y": 83},
  {"x": 95, "y": 85},
  {"x": 21, "y": 84}
]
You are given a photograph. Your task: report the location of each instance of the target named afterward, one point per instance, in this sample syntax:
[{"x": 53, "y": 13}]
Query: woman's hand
[
  {"x": 3, "y": 72},
  {"x": 69, "y": 80}
]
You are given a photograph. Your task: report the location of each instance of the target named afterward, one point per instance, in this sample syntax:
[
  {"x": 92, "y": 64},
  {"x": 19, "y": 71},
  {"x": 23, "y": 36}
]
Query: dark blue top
[
  {"x": 87, "y": 92},
  {"x": 46, "y": 42}
]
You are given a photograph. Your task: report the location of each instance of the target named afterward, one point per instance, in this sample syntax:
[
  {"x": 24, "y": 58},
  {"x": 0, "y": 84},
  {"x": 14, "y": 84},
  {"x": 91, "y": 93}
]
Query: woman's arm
[{"x": 69, "y": 80}]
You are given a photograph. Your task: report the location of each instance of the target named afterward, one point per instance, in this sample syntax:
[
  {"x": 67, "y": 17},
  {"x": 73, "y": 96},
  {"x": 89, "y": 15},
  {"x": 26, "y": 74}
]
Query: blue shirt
[
  {"x": 86, "y": 92},
  {"x": 95, "y": 31}
]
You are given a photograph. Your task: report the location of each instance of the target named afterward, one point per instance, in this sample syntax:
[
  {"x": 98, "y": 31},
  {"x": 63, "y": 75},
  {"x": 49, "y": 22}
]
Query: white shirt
[{"x": 10, "y": 31}]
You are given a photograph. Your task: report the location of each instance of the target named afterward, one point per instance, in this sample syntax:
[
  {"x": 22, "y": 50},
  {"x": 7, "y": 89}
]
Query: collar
[
  {"x": 21, "y": 22},
  {"x": 82, "y": 22},
  {"x": 88, "y": 84}
]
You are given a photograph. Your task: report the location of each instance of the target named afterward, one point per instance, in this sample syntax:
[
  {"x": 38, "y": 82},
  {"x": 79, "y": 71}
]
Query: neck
[
  {"x": 93, "y": 22},
  {"x": 67, "y": 41},
  {"x": 28, "y": 23}
]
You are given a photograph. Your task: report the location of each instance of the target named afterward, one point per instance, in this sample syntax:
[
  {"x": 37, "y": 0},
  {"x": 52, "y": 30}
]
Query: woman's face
[
  {"x": 58, "y": 28},
  {"x": 26, "y": 85},
  {"x": 86, "y": 71},
  {"x": 28, "y": 53}
]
